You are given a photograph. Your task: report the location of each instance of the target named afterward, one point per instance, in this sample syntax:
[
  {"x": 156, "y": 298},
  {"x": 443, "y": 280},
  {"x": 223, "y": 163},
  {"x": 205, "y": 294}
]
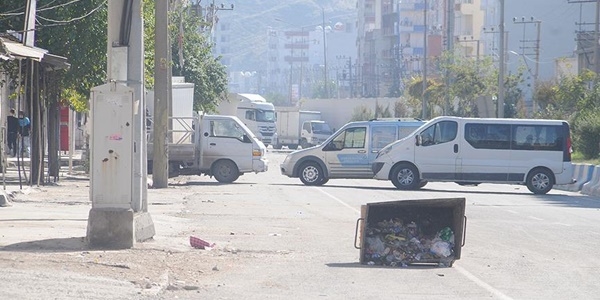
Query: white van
[
  {"x": 348, "y": 153},
  {"x": 536, "y": 153}
]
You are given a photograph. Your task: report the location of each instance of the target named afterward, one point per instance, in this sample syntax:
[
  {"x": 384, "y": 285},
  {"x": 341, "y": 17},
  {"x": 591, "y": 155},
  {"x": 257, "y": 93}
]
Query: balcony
[
  {"x": 292, "y": 59},
  {"x": 296, "y": 46},
  {"x": 412, "y": 5},
  {"x": 465, "y": 8}
]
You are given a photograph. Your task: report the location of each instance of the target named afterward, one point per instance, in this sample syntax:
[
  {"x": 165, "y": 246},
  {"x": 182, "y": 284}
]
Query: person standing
[
  {"x": 24, "y": 126},
  {"x": 12, "y": 132}
]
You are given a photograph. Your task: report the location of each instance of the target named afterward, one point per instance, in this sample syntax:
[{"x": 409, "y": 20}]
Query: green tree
[{"x": 198, "y": 65}]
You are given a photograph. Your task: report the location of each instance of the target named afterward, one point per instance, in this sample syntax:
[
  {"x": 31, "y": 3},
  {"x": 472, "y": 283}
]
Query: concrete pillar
[{"x": 118, "y": 189}]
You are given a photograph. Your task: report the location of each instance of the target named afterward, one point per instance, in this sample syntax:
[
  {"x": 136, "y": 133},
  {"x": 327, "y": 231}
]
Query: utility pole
[
  {"x": 424, "y": 102},
  {"x": 450, "y": 48},
  {"x": 584, "y": 37},
  {"x": 501, "y": 63},
  {"x": 162, "y": 95}
]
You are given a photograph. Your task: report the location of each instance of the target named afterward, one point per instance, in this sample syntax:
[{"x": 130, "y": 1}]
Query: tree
[{"x": 198, "y": 65}]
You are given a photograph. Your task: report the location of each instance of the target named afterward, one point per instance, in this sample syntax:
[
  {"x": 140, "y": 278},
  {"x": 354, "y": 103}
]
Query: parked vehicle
[
  {"x": 300, "y": 127},
  {"x": 255, "y": 112},
  {"x": 348, "y": 153},
  {"x": 536, "y": 153},
  {"x": 215, "y": 145}
]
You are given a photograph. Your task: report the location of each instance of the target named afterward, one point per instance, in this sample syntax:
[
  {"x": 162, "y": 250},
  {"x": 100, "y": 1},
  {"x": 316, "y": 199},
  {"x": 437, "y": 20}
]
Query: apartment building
[{"x": 394, "y": 37}]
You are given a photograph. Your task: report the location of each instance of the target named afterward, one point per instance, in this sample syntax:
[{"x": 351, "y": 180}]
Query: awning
[
  {"x": 56, "y": 62},
  {"x": 13, "y": 49}
]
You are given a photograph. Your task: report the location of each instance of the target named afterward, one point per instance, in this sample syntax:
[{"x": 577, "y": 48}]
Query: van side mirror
[{"x": 418, "y": 140}]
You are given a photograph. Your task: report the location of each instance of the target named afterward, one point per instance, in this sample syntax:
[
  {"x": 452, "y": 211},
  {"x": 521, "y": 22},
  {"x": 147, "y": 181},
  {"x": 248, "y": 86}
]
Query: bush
[{"x": 586, "y": 134}]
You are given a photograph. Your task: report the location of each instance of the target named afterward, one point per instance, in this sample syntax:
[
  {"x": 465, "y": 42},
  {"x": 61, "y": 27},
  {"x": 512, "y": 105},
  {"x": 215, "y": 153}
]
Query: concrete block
[
  {"x": 589, "y": 186},
  {"x": 4, "y": 199},
  {"x": 582, "y": 173},
  {"x": 144, "y": 227},
  {"x": 111, "y": 228}
]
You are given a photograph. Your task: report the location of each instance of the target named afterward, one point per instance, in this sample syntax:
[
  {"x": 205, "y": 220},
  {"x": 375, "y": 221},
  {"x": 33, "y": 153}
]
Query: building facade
[{"x": 395, "y": 36}]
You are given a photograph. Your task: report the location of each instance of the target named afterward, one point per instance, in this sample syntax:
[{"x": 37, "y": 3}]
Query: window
[
  {"x": 537, "y": 137},
  {"x": 381, "y": 136},
  {"x": 406, "y": 130},
  {"x": 488, "y": 136},
  {"x": 250, "y": 115},
  {"x": 439, "y": 133},
  {"x": 355, "y": 138},
  {"x": 306, "y": 126},
  {"x": 350, "y": 138},
  {"x": 226, "y": 129}
]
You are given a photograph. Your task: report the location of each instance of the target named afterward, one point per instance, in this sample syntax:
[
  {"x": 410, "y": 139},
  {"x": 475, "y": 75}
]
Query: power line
[{"x": 64, "y": 22}]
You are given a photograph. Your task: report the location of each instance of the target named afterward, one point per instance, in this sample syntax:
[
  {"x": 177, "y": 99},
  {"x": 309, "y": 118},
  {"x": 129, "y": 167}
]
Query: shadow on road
[
  {"x": 49, "y": 245},
  {"x": 557, "y": 198},
  {"x": 206, "y": 183},
  {"x": 363, "y": 266}
]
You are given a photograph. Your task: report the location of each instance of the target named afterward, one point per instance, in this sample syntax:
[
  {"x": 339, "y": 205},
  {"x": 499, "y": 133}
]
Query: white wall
[{"x": 338, "y": 112}]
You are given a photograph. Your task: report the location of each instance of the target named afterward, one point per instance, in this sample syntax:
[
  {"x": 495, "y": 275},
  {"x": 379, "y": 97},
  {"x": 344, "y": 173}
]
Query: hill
[{"x": 250, "y": 21}]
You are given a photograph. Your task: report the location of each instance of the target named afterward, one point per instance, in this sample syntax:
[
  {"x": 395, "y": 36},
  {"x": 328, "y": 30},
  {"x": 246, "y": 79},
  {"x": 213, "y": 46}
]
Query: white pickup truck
[{"x": 213, "y": 145}]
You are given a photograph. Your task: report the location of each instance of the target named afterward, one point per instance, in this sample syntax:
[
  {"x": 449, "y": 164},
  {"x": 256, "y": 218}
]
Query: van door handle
[
  {"x": 213, "y": 144},
  {"x": 362, "y": 151},
  {"x": 455, "y": 148}
]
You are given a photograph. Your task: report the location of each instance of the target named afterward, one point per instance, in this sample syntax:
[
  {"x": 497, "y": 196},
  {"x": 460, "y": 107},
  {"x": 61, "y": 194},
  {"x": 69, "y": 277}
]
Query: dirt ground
[{"x": 42, "y": 237}]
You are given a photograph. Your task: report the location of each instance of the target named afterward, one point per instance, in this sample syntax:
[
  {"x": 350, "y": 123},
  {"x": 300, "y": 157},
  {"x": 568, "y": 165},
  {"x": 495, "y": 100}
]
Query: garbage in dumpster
[{"x": 399, "y": 233}]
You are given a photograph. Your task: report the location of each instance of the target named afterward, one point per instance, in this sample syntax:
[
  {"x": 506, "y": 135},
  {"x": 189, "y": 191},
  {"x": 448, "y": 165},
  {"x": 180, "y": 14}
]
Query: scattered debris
[{"x": 200, "y": 243}]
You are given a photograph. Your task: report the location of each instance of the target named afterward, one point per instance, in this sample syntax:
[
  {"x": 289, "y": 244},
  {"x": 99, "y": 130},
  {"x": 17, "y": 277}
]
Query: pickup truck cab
[{"x": 348, "y": 153}]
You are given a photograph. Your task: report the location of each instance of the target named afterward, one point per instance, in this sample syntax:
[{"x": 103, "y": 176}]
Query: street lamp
[
  {"x": 324, "y": 29},
  {"x": 533, "y": 88}
]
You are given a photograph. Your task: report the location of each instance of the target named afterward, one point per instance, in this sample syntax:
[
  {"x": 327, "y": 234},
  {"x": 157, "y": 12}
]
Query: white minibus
[{"x": 536, "y": 153}]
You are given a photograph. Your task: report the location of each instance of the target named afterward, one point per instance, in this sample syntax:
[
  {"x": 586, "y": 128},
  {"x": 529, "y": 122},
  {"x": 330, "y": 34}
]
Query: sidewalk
[{"x": 43, "y": 253}]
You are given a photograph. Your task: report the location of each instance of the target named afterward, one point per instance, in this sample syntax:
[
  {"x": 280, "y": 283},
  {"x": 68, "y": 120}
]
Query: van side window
[
  {"x": 537, "y": 137},
  {"x": 381, "y": 136},
  {"x": 488, "y": 136},
  {"x": 439, "y": 133},
  {"x": 406, "y": 130}
]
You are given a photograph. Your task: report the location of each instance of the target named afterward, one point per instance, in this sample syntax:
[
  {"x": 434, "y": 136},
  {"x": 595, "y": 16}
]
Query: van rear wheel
[
  {"x": 540, "y": 181},
  {"x": 405, "y": 177}
]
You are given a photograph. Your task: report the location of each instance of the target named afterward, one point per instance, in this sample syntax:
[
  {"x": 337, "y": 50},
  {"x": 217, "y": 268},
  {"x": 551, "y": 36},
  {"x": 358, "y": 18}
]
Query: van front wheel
[
  {"x": 225, "y": 171},
  {"x": 405, "y": 177},
  {"x": 311, "y": 174},
  {"x": 540, "y": 181}
]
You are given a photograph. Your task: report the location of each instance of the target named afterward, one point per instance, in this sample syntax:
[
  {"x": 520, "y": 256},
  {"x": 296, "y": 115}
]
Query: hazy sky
[{"x": 557, "y": 28}]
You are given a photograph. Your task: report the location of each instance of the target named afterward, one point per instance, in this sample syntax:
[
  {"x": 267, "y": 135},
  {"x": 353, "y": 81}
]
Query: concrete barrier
[
  {"x": 590, "y": 187},
  {"x": 582, "y": 173}
]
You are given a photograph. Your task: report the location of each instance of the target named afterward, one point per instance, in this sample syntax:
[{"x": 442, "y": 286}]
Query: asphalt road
[
  {"x": 518, "y": 245},
  {"x": 278, "y": 239}
]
